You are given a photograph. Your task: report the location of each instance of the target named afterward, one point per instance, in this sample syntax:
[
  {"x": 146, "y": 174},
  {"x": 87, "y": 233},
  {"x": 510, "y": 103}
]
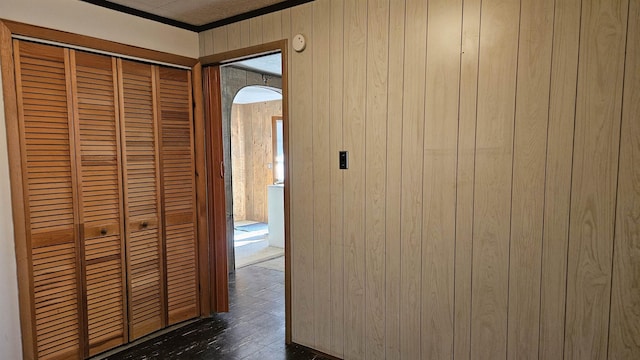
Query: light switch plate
[{"x": 344, "y": 160}]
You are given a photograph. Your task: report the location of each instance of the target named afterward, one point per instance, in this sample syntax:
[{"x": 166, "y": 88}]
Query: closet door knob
[
  {"x": 103, "y": 232},
  {"x": 144, "y": 224}
]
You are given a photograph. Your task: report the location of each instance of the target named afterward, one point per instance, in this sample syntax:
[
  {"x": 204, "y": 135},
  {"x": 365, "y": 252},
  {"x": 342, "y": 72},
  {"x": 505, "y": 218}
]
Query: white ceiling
[
  {"x": 267, "y": 64},
  {"x": 256, "y": 93},
  {"x": 270, "y": 64},
  {"x": 196, "y": 12}
]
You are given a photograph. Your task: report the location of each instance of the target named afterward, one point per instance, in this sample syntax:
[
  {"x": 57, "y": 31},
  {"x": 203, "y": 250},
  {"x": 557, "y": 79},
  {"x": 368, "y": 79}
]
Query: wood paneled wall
[
  {"x": 252, "y": 152},
  {"x": 492, "y": 204}
]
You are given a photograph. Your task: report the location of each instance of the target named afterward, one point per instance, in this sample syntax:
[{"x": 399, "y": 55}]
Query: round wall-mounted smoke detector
[{"x": 299, "y": 43}]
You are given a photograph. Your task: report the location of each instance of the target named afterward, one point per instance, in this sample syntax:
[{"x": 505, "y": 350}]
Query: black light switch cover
[{"x": 344, "y": 160}]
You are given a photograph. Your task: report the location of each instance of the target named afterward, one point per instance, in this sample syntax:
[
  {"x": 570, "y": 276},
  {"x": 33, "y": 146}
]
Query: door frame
[
  {"x": 217, "y": 211},
  {"x": 216, "y": 215}
]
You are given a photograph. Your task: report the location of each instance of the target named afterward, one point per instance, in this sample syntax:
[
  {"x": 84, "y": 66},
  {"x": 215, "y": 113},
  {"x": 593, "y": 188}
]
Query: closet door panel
[
  {"x": 178, "y": 187},
  {"x": 97, "y": 130},
  {"x": 49, "y": 175},
  {"x": 145, "y": 265}
]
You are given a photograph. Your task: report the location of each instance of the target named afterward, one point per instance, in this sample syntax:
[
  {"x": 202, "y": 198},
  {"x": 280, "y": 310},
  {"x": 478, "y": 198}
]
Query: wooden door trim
[
  {"x": 201, "y": 190},
  {"x": 218, "y": 282},
  {"x": 73, "y": 121},
  {"x": 23, "y": 255},
  {"x": 248, "y": 52},
  {"x": 253, "y": 51}
]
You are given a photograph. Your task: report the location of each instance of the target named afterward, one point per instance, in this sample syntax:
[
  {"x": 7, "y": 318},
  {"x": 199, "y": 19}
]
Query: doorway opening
[
  {"x": 251, "y": 96},
  {"x": 257, "y": 173},
  {"x": 262, "y": 68}
]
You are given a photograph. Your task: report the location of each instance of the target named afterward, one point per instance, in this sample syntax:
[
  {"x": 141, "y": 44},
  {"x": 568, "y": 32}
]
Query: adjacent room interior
[{"x": 254, "y": 128}]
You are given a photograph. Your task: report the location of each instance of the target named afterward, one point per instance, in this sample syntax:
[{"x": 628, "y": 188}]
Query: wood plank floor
[{"x": 252, "y": 329}]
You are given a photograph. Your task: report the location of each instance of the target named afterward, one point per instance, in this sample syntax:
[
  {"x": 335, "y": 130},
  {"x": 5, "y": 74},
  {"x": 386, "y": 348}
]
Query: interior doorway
[
  {"x": 257, "y": 171},
  {"x": 251, "y": 95},
  {"x": 225, "y": 281}
]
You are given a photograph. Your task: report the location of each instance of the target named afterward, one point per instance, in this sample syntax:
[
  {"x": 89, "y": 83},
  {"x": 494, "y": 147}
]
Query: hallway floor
[
  {"x": 251, "y": 243},
  {"x": 252, "y": 329}
]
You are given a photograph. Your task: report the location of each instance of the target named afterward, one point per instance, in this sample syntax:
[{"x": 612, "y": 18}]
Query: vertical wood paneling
[
  {"x": 336, "y": 64},
  {"x": 208, "y": 41},
  {"x": 272, "y": 27},
  {"x": 201, "y": 41},
  {"x": 354, "y": 109},
  {"x": 394, "y": 178},
  {"x": 258, "y": 148},
  {"x": 466, "y": 177},
  {"x": 375, "y": 175},
  {"x": 245, "y": 33},
  {"x": 286, "y": 33},
  {"x": 249, "y": 162},
  {"x": 220, "y": 41},
  {"x": 256, "y": 31},
  {"x": 529, "y": 159},
  {"x": 595, "y": 172},
  {"x": 301, "y": 176},
  {"x": 322, "y": 176},
  {"x": 412, "y": 172},
  {"x": 624, "y": 333},
  {"x": 238, "y": 181},
  {"x": 492, "y": 200},
  {"x": 476, "y": 151},
  {"x": 444, "y": 26},
  {"x": 234, "y": 36},
  {"x": 564, "y": 69},
  {"x": 251, "y": 149}
]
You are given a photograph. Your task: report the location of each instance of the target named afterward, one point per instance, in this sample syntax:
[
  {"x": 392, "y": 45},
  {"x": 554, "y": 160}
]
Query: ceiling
[
  {"x": 268, "y": 64},
  {"x": 197, "y": 15},
  {"x": 256, "y": 93}
]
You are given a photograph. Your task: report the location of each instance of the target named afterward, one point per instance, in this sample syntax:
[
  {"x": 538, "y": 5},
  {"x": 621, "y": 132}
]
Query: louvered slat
[
  {"x": 41, "y": 74},
  {"x": 178, "y": 182},
  {"x": 142, "y": 204},
  {"x": 95, "y": 96}
]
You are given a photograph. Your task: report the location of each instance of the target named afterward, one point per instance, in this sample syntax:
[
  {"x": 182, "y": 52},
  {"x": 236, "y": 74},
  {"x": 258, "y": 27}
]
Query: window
[{"x": 277, "y": 132}]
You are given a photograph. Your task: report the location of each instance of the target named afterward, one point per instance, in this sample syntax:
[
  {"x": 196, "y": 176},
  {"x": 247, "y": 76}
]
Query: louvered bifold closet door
[
  {"x": 178, "y": 187},
  {"x": 94, "y": 80},
  {"x": 48, "y": 165},
  {"x": 145, "y": 261}
]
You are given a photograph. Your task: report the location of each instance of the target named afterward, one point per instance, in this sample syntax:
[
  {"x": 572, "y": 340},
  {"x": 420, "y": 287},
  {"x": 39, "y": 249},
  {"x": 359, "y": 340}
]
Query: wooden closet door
[
  {"x": 48, "y": 165},
  {"x": 178, "y": 193},
  {"x": 145, "y": 265},
  {"x": 94, "y": 80}
]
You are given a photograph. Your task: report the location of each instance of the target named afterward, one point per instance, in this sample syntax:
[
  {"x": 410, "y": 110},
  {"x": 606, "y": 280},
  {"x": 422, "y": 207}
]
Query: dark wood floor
[{"x": 252, "y": 329}]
